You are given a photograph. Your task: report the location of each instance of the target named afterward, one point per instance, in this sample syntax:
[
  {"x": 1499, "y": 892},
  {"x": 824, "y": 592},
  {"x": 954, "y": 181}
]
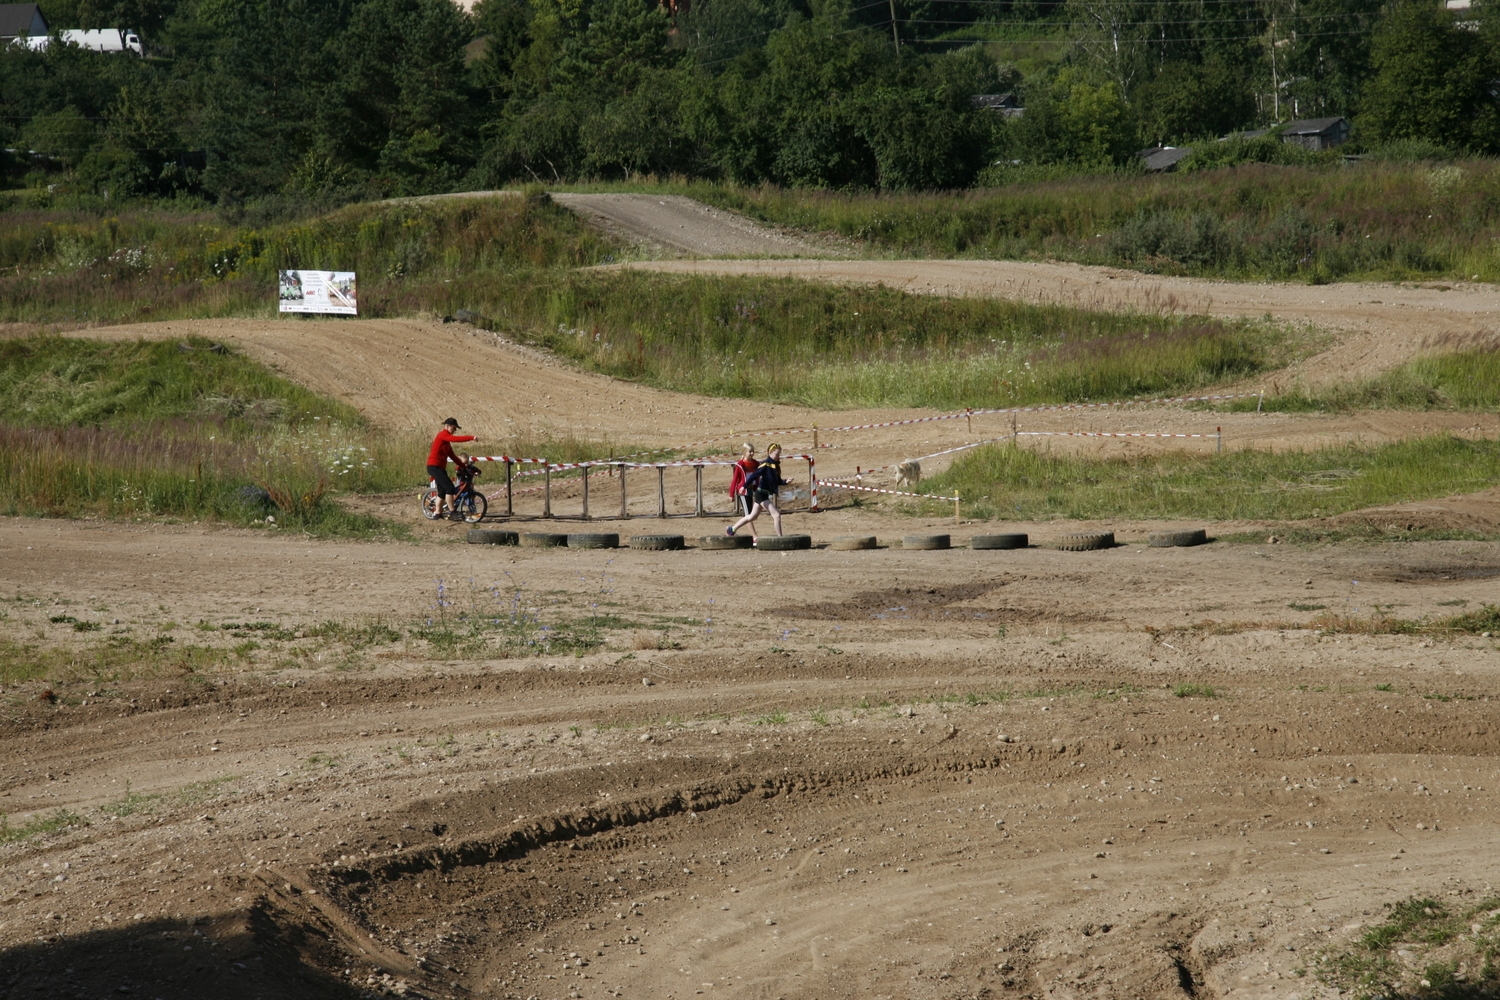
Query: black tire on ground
[
  {"x": 1013, "y": 541},
  {"x": 542, "y": 540},
  {"x": 1168, "y": 539},
  {"x": 1087, "y": 541},
  {"x": 783, "y": 543},
  {"x": 485, "y": 536},
  {"x": 593, "y": 540},
  {"x": 927, "y": 542},
  {"x": 657, "y": 543},
  {"x": 852, "y": 543},
  {"x": 725, "y": 542}
]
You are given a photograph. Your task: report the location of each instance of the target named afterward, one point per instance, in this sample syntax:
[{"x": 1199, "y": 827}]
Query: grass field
[
  {"x": 1369, "y": 220},
  {"x": 74, "y": 267},
  {"x": 1001, "y": 481},
  {"x": 835, "y": 346}
]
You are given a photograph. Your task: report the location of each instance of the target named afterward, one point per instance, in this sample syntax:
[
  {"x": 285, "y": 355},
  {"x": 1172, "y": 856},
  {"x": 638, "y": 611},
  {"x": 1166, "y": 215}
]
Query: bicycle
[{"x": 468, "y": 501}]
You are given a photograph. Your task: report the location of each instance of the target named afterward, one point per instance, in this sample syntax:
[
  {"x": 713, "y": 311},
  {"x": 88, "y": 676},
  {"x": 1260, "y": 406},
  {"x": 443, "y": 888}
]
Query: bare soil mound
[
  {"x": 851, "y": 774},
  {"x": 1476, "y": 512}
]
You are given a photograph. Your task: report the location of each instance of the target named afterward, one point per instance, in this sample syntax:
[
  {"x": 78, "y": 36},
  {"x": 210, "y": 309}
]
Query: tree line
[{"x": 332, "y": 100}]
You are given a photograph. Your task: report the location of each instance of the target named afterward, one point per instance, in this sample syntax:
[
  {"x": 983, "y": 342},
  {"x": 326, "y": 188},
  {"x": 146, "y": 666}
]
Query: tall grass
[
  {"x": 1023, "y": 483},
  {"x": 181, "y": 469},
  {"x": 1369, "y": 220},
  {"x": 835, "y": 346},
  {"x": 156, "y": 264},
  {"x": 60, "y": 381}
]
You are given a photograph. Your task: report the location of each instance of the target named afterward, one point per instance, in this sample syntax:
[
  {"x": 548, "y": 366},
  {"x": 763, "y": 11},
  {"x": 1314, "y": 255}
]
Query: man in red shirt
[{"x": 439, "y": 456}]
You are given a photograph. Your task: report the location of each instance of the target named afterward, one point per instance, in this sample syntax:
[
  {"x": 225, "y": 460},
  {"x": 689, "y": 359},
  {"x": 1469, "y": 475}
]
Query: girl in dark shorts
[{"x": 761, "y": 487}]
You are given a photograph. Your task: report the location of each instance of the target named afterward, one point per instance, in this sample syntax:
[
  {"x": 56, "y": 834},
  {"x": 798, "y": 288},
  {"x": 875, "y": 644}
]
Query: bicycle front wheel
[
  {"x": 475, "y": 506},
  {"x": 432, "y": 505}
]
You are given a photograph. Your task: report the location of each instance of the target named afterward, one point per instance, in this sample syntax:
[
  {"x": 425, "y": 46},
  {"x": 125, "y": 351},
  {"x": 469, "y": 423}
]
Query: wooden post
[
  {"x": 661, "y": 491},
  {"x": 1219, "y": 445},
  {"x": 585, "y": 492},
  {"x": 815, "y": 437},
  {"x": 624, "y": 511},
  {"x": 510, "y": 510},
  {"x": 1014, "y": 435},
  {"x": 969, "y": 416},
  {"x": 955, "y": 508},
  {"x": 698, "y": 486},
  {"x": 546, "y": 488}
]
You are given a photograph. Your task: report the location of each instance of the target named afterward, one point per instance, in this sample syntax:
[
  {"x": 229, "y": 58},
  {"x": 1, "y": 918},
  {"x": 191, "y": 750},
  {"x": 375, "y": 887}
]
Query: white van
[{"x": 93, "y": 39}]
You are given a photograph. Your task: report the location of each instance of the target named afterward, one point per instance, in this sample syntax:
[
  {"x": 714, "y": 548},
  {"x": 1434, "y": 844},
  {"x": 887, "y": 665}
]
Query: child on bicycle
[{"x": 438, "y": 457}]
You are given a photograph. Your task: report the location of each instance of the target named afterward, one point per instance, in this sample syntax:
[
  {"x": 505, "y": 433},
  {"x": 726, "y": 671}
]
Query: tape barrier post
[
  {"x": 547, "y": 488},
  {"x": 955, "y": 508},
  {"x": 812, "y": 485},
  {"x": 661, "y": 491},
  {"x": 1260, "y": 401},
  {"x": 510, "y": 510},
  {"x": 624, "y": 502},
  {"x": 585, "y": 492},
  {"x": 1219, "y": 444},
  {"x": 698, "y": 491},
  {"x": 969, "y": 416}
]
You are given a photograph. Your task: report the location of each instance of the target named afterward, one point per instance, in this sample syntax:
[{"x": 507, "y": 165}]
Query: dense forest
[{"x": 325, "y": 101}]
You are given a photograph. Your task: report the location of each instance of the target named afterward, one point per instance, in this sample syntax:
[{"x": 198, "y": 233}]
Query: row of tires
[{"x": 1084, "y": 541}]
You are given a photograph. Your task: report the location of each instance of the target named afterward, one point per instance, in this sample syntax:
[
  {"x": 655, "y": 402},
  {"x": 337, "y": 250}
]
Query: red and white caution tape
[
  {"x": 1108, "y": 434},
  {"x": 957, "y": 415},
  {"x": 895, "y": 493}
]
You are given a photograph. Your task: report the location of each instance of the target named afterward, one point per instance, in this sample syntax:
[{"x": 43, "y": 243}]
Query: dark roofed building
[
  {"x": 1004, "y": 104},
  {"x": 1317, "y": 133},
  {"x": 21, "y": 20},
  {"x": 1162, "y": 158}
]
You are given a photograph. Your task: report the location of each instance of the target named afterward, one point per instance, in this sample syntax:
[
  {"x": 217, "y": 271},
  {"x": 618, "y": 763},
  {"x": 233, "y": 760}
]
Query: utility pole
[{"x": 895, "y": 37}]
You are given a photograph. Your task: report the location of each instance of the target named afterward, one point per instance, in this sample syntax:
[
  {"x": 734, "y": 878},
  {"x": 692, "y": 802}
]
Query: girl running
[{"x": 761, "y": 487}]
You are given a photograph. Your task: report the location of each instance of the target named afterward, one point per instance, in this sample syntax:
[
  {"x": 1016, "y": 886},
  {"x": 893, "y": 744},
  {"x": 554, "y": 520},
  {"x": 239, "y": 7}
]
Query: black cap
[{"x": 454, "y": 422}]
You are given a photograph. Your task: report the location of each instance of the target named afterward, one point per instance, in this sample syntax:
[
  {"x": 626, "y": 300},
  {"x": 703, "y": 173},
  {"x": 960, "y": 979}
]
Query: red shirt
[
  {"x": 442, "y": 447},
  {"x": 742, "y": 468}
]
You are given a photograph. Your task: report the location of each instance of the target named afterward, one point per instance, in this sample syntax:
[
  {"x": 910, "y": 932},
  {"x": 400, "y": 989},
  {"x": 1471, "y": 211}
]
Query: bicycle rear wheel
[
  {"x": 474, "y": 507},
  {"x": 432, "y": 505}
]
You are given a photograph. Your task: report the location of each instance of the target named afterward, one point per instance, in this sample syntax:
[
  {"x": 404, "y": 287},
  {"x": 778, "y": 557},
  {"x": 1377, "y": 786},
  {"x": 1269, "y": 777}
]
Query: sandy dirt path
[
  {"x": 678, "y": 225},
  {"x": 1383, "y": 325},
  {"x": 820, "y": 793}
]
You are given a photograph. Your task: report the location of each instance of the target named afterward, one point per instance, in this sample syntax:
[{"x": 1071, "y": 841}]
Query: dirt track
[
  {"x": 889, "y": 773},
  {"x": 784, "y": 811},
  {"x": 673, "y": 224},
  {"x": 402, "y": 373}
]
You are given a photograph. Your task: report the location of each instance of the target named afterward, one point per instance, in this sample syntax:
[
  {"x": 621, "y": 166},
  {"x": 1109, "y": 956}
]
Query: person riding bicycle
[{"x": 437, "y": 462}]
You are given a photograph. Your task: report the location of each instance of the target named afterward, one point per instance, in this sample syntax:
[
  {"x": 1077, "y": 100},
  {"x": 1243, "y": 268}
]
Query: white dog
[{"x": 909, "y": 473}]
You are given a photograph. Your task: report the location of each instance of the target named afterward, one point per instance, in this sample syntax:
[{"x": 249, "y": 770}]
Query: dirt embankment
[{"x": 1382, "y": 325}]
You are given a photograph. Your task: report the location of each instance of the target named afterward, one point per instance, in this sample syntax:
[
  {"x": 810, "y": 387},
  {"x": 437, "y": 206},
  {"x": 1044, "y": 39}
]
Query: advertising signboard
[{"x": 318, "y": 292}]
